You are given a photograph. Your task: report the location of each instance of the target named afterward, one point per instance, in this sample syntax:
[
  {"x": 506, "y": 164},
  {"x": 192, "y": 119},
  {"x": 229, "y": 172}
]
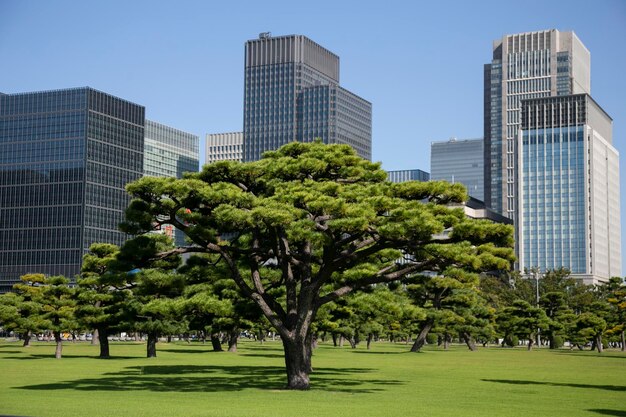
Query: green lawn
[{"x": 190, "y": 380}]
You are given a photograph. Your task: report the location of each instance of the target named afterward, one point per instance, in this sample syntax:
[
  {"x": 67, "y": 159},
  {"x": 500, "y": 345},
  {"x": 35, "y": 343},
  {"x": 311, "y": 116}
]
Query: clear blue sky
[{"x": 419, "y": 63}]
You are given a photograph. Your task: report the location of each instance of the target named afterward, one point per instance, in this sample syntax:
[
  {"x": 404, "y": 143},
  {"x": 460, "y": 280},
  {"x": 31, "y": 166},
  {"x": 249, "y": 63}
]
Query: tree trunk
[
  {"x": 531, "y": 341},
  {"x": 334, "y": 335},
  {"x": 622, "y": 338},
  {"x": 421, "y": 337},
  {"x": 341, "y": 340},
  {"x": 151, "y": 345},
  {"x": 169, "y": 338},
  {"x": 59, "y": 342},
  {"x": 297, "y": 362},
  {"x": 599, "y": 343},
  {"x": 95, "y": 337},
  {"x": 27, "y": 335},
  {"x": 215, "y": 341},
  {"x": 103, "y": 334},
  {"x": 469, "y": 341},
  {"x": 261, "y": 336},
  {"x": 353, "y": 342},
  {"x": 232, "y": 340},
  {"x": 369, "y": 341},
  {"x": 551, "y": 343}
]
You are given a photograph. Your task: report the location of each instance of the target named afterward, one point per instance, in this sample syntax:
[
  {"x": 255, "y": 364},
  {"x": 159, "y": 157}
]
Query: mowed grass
[{"x": 191, "y": 380}]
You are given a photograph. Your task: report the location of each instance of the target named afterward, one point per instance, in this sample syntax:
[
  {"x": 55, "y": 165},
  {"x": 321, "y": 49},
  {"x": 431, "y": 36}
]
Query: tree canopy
[{"x": 319, "y": 222}]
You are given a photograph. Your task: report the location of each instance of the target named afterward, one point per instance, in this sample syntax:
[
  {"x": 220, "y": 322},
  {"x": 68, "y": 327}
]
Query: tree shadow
[
  {"x": 264, "y": 355},
  {"x": 33, "y": 356},
  {"x": 207, "y": 350},
  {"x": 369, "y": 352},
  {"x": 590, "y": 354},
  {"x": 605, "y": 412},
  {"x": 619, "y": 388},
  {"x": 199, "y": 378}
]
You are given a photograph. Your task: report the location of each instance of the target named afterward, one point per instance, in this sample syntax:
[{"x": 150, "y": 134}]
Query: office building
[
  {"x": 292, "y": 93},
  {"x": 527, "y": 65},
  {"x": 459, "y": 161},
  {"x": 569, "y": 188},
  {"x": 224, "y": 147},
  {"x": 407, "y": 175},
  {"x": 65, "y": 157},
  {"x": 169, "y": 152}
]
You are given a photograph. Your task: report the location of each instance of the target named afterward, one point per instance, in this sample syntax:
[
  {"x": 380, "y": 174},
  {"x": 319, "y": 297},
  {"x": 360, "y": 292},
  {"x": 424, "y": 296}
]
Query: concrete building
[
  {"x": 169, "y": 152},
  {"x": 65, "y": 157},
  {"x": 292, "y": 93},
  {"x": 224, "y": 147},
  {"x": 459, "y": 161},
  {"x": 569, "y": 188},
  {"x": 408, "y": 175},
  {"x": 526, "y": 65}
]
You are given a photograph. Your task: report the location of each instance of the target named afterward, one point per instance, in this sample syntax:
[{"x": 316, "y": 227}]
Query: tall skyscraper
[
  {"x": 527, "y": 65},
  {"x": 459, "y": 161},
  {"x": 569, "y": 188},
  {"x": 224, "y": 147},
  {"x": 292, "y": 93},
  {"x": 169, "y": 152},
  {"x": 65, "y": 157}
]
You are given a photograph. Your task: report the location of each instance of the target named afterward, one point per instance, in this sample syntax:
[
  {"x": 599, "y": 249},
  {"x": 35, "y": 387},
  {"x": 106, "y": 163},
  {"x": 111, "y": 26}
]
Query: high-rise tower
[
  {"x": 569, "y": 188},
  {"x": 65, "y": 157},
  {"x": 524, "y": 66},
  {"x": 292, "y": 93}
]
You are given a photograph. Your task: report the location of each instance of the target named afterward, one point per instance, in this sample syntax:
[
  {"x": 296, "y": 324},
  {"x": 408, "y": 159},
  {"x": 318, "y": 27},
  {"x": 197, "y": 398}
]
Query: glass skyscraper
[
  {"x": 459, "y": 161},
  {"x": 65, "y": 157},
  {"x": 169, "y": 152},
  {"x": 292, "y": 93},
  {"x": 527, "y": 65},
  {"x": 569, "y": 188}
]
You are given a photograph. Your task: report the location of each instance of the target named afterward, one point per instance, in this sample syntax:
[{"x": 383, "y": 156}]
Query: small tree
[
  {"x": 522, "y": 320},
  {"x": 58, "y": 305},
  {"x": 102, "y": 293},
  {"x": 20, "y": 311}
]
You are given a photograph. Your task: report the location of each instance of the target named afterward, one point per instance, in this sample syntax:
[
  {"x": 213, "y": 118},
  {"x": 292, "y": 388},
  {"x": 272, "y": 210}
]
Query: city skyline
[{"x": 188, "y": 74}]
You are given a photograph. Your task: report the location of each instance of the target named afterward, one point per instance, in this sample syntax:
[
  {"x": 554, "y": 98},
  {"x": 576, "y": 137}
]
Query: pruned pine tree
[{"x": 325, "y": 220}]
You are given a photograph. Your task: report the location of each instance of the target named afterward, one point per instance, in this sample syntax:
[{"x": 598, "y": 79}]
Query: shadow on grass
[
  {"x": 199, "y": 378},
  {"x": 264, "y": 355},
  {"x": 70, "y": 356},
  {"x": 369, "y": 352},
  {"x": 199, "y": 350},
  {"x": 605, "y": 412},
  {"x": 594, "y": 354},
  {"x": 618, "y": 388}
]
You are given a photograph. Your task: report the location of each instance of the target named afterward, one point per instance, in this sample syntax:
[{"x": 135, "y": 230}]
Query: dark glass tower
[
  {"x": 65, "y": 157},
  {"x": 292, "y": 93}
]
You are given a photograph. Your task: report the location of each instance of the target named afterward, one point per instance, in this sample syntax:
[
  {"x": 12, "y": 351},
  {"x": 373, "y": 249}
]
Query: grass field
[{"x": 190, "y": 380}]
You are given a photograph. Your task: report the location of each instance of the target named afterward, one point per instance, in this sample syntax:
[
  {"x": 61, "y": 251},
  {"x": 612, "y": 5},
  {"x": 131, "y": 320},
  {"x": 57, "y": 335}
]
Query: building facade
[
  {"x": 569, "y": 188},
  {"x": 224, "y": 147},
  {"x": 169, "y": 152},
  {"x": 527, "y": 65},
  {"x": 459, "y": 161},
  {"x": 65, "y": 157},
  {"x": 292, "y": 93},
  {"x": 407, "y": 175}
]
